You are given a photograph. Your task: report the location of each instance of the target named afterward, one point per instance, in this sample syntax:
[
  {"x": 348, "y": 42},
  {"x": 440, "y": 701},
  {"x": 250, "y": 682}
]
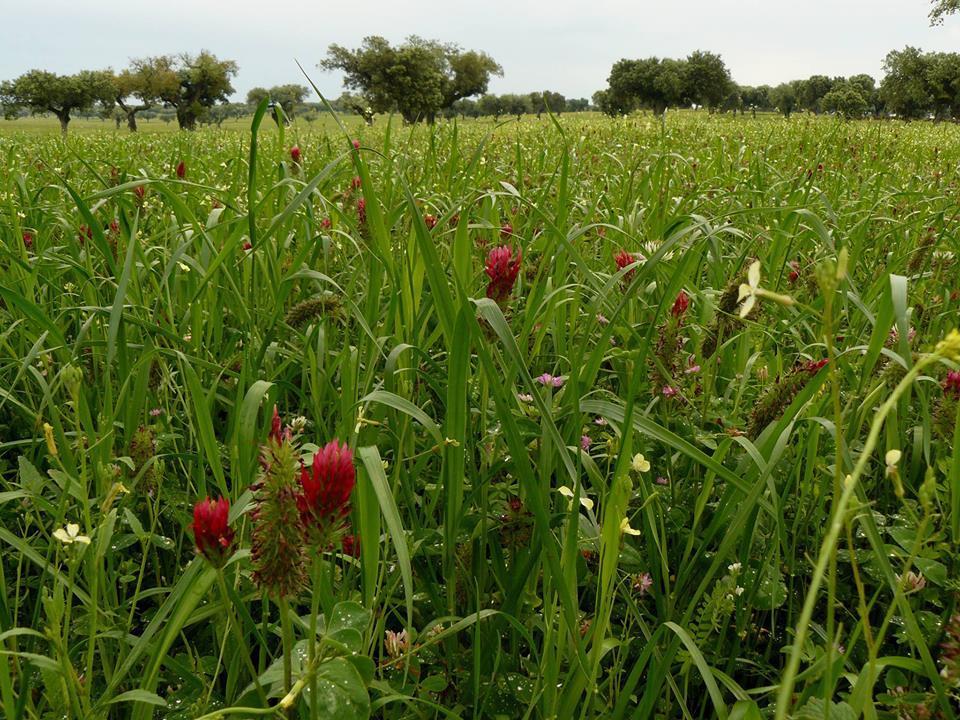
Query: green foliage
[
  {"x": 418, "y": 79},
  {"x": 538, "y": 529},
  {"x": 40, "y": 91}
]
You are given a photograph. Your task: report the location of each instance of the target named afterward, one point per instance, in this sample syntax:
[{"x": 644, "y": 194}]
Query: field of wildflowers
[{"x": 568, "y": 418}]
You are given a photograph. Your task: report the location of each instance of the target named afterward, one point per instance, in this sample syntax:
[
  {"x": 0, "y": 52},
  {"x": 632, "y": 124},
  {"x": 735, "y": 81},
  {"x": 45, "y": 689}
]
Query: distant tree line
[
  {"x": 188, "y": 84},
  {"x": 916, "y": 85}
]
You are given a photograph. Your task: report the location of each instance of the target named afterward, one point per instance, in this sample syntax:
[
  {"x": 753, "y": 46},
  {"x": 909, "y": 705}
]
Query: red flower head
[
  {"x": 140, "y": 191},
  {"x": 326, "y": 485},
  {"x": 86, "y": 233},
  {"x": 430, "y": 221},
  {"x": 361, "y": 211},
  {"x": 350, "y": 545},
  {"x": 951, "y": 384},
  {"x": 211, "y": 530},
  {"x": 506, "y": 231},
  {"x": 295, "y": 154},
  {"x": 680, "y": 305},
  {"x": 326, "y": 223},
  {"x": 356, "y": 144},
  {"x": 114, "y": 226},
  {"x": 794, "y": 271},
  {"x": 502, "y": 269},
  {"x": 247, "y": 245},
  {"x": 813, "y": 366},
  {"x": 28, "y": 240},
  {"x": 181, "y": 170},
  {"x": 624, "y": 259},
  {"x": 356, "y": 183}
]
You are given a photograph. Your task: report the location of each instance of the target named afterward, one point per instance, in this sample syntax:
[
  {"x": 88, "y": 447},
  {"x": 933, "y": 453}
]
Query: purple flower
[
  {"x": 600, "y": 421},
  {"x": 585, "y": 442},
  {"x": 669, "y": 391},
  {"x": 550, "y": 380},
  {"x": 662, "y": 481},
  {"x": 642, "y": 583}
]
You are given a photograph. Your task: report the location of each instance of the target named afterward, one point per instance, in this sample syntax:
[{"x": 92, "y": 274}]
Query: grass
[{"x": 701, "y": 518}]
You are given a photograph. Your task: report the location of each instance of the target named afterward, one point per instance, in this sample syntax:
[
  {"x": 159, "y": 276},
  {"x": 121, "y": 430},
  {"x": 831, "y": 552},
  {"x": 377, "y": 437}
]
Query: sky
[{"x": 564, "y": 45}]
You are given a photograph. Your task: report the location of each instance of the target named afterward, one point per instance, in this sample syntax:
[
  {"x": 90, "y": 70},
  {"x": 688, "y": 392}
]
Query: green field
[{"x": 695, "y": 457}]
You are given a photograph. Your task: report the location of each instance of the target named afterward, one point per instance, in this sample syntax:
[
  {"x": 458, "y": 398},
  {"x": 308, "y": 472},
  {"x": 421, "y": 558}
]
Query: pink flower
[
  {"x": 295, "y": 154},
  {"x": 642, "y": 583},
  {"x": 814, "y": 366},
  {"x": 549, "y": 380},
  {"x": 662, "y": 481},
  {"x": 506, "y": 231},
  {"x": 951, "y": 384},
  {"x": 669, "y": 391},
  {"x": 585, "y": 442},
  {"x": 502, "y": 268},
  {"x": 28, "y": 240},
  {"x": 326, "y": 223},
  {"x": 361, "y": 211},
  {"x": 356, "y": 144},
  {"x": 600, "y": 422},
  {"x": 602, "y": 319}
]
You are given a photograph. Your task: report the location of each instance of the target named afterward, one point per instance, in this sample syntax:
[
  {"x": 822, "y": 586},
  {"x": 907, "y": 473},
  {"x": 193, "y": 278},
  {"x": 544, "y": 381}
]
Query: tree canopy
[
  {"x": 40, "y": 91},
  {"x": 418, "y": 79}
]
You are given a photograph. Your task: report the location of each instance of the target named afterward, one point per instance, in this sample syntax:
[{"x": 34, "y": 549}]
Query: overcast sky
[{"x": 563, "y": 45}]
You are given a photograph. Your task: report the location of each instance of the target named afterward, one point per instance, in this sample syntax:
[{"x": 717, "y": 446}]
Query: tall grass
[{"x": 772, "y": 560}]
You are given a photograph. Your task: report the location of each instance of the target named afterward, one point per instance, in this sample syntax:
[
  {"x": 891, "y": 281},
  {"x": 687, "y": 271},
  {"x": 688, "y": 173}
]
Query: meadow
[{"x": 634, "y": 419}]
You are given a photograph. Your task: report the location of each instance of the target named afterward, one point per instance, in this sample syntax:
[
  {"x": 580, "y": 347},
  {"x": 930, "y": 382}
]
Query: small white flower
[
  {"x": 639, "y": 463},
  {"x": 71, "y": 534},
  {"x": 734, "y": 568}
]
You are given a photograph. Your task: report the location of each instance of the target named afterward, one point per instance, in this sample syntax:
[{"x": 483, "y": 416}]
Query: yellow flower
[
  {"x": 748, "y": 290},
  {"x": 567, "y": 492},
  {"x": 949, "y": 347},
  {"x": 625, "y": 528},
  {"x": 71, "y": 534},
  {"x": 48, "y": 435},
  {"x": 639, "y": 463}
]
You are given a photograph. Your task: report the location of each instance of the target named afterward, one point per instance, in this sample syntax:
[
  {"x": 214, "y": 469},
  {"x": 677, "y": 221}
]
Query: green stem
[
  {"x": 830, "y": 541},
  {"x": 234, "y": 626},
  {"x": 314, "y": 609},
  {"x": 287, "y": 630}
]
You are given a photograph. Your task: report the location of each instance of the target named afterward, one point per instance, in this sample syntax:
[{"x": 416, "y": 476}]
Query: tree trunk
[
  {"x": 64, "y": 118},
  {"x": 116, "y": 119},
  {"x": 132, "y": 120},
  {"x": 186, "y": 119}
]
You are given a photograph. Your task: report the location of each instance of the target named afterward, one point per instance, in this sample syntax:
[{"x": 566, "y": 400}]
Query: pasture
[{"x": 683, "y": 448}]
